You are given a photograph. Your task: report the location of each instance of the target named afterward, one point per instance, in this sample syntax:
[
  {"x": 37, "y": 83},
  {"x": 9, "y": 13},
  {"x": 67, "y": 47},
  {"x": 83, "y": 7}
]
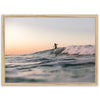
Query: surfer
[{"x": 55, "y": 45}]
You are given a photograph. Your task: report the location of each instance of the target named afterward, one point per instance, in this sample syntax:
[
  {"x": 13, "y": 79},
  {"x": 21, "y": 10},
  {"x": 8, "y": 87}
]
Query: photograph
[{"x": 49, "y": 49}]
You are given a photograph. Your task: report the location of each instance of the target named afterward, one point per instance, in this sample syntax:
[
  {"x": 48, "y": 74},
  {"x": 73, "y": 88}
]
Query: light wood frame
[{"x": 49, "y": 84}]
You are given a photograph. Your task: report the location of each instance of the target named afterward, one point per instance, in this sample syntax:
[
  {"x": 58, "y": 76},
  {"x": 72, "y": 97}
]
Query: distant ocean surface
[{"x": 61, "y": 65}]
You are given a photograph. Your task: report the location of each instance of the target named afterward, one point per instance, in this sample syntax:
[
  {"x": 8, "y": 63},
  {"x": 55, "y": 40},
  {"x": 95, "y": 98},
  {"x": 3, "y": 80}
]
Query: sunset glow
[{"x": 29, "y": 35}]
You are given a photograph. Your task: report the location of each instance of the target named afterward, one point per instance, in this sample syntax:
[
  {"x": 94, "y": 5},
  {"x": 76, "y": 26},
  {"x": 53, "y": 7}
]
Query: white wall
[{"x": 49, "y": 92}]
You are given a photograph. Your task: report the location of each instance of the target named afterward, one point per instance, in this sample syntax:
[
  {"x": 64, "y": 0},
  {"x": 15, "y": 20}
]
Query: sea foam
[{"x": 80, "y": 49}]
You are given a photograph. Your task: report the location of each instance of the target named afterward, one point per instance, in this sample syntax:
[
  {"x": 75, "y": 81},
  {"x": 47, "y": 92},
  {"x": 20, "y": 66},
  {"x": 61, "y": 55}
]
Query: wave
[
  {"x": 18, "y": 79},
  {"x": 76, "y": 50}
]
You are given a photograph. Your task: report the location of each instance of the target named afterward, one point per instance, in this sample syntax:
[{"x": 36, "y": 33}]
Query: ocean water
[{"x": 47, "y": 66}]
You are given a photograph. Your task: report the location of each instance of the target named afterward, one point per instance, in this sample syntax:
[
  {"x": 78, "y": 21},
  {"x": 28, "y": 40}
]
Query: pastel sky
[{"x": 25, "y": 35}]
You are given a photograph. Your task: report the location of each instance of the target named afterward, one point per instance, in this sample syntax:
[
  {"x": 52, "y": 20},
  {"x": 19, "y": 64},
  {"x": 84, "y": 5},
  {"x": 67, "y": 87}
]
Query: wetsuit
[{"x": 55, "y": 46}]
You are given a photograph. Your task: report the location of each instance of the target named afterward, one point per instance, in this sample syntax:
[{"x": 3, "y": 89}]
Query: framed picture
[{"x": 49, "y": 50}]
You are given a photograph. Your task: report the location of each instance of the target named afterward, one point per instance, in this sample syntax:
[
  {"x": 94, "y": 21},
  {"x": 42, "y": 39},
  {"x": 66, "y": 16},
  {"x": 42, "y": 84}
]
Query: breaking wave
[{"x": 79, "y": 50}]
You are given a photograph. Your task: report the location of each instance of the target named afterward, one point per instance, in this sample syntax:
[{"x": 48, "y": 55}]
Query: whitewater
[{"x": 65, "y": 64}]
